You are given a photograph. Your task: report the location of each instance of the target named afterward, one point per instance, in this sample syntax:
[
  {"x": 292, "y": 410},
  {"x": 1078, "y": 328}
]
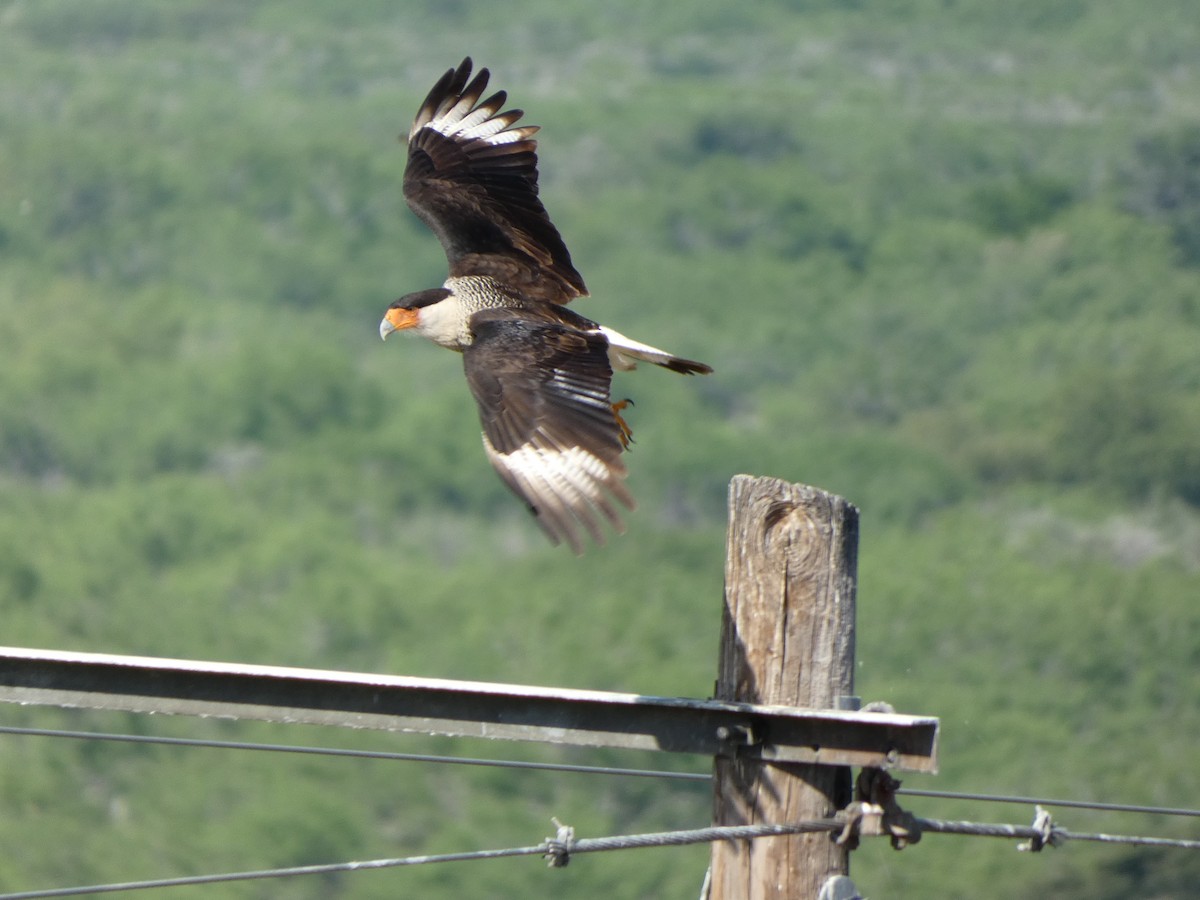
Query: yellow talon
[{"x": 626, "y": 433}]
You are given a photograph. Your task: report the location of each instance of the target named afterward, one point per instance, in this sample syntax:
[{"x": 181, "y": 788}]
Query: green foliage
[
  {"x": 1129, "y": 426},
  {"x": 1164, "y": 184},
  {"x": 1158, "y": 873},
  {"x": 64, "y": 25},
  {"x": 1015, "y": 206},
  {"x": 941, "y": 255}
]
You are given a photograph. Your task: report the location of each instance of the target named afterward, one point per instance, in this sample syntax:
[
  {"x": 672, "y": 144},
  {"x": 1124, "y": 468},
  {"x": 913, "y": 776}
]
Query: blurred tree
[
  {"x": 1163, "y": 183},
  {"x": 1015, "y": 205},
  {"x": 1128, "y": 428},
  {"x": 1156, "y": 873}
]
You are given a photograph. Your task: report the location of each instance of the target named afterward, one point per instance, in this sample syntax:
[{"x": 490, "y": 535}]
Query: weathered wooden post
[{"x": 787, "y": 638}]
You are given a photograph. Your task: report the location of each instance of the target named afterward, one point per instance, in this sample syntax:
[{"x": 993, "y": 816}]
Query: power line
[
  {"x": 981, "y": 829},
  {"x": 349, "y": 752},
  {"x": 559, "y": 850},
  {"x": 1177, "y": 843},
  {"x": 1045, "y": 801},
  {"x": 324, "y": 869},
  {"x": 558, "y": 767}
]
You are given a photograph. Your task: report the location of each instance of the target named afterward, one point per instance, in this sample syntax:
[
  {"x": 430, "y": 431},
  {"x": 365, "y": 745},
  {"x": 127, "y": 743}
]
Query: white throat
[{"x": 445, "y": 323}]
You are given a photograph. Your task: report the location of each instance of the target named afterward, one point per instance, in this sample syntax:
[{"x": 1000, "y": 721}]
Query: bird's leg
[{"x": 625, "y": 430}]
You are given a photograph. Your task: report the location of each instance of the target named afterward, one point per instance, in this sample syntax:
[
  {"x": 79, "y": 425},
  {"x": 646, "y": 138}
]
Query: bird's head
[
  {"x": 406, "y": 312},
  {"x": 399, "y": 316}
]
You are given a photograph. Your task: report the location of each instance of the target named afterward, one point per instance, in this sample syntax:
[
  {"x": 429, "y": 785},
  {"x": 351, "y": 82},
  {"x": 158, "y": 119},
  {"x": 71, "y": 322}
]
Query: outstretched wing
[
  {"x": 472, "y": 178},
  {"x": 549, "y": 428}
]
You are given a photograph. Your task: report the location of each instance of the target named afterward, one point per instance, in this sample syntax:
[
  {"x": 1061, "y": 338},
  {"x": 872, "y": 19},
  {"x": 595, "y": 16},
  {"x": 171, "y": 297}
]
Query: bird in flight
[{"x": 540, "y": 373}]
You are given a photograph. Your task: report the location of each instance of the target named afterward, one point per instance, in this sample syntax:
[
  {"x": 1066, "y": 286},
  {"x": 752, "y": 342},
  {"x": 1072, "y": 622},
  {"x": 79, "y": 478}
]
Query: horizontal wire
[
  {"x": 983, "y": 829},
  {"x": 1179, "y": 843},
  {"x": 559, "y": 767},
  {"x": 1044, "y": 801},
  {"x": 363, "y": 754}
]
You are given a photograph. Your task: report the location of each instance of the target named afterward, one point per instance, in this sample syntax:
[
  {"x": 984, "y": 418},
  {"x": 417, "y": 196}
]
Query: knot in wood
[{"x": 793, "y": 530}]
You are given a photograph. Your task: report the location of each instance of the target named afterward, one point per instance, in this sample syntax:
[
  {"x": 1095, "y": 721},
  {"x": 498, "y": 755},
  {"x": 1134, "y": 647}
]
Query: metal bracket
[
  {"x": 736, "y": 740},
  {"x": 875, "y": 812}
]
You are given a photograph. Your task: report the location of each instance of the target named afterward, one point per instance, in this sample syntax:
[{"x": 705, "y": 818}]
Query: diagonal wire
[
  {"x": 558, "y": 851},
  {"x": 549, "y": 847},
  {"x": 323, "y": 869}
]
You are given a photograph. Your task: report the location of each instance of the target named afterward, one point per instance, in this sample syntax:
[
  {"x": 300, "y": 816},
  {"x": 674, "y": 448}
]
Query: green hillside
[{"x": 944, "y": 256}]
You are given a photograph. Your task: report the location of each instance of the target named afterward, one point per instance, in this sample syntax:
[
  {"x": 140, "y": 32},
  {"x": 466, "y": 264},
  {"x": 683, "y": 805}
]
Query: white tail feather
[{"x": 624, "y": 354}]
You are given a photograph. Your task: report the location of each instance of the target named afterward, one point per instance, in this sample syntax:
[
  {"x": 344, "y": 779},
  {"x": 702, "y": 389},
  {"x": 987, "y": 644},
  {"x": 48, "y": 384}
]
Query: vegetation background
[{"x": 943, "y": 254}]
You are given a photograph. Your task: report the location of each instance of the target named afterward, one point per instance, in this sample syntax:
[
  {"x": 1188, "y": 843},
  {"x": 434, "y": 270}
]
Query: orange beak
[{"x": 397, "y": 319}]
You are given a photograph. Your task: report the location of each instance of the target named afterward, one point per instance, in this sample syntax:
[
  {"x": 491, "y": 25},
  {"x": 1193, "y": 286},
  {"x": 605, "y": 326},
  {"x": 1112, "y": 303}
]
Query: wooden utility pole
[{"x": 787, "y": 638}]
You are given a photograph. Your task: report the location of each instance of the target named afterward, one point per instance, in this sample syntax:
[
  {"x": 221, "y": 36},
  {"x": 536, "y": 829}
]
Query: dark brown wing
[
  {"x": 548, "y": 423},
  {"x": 472, "y": 178}
]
